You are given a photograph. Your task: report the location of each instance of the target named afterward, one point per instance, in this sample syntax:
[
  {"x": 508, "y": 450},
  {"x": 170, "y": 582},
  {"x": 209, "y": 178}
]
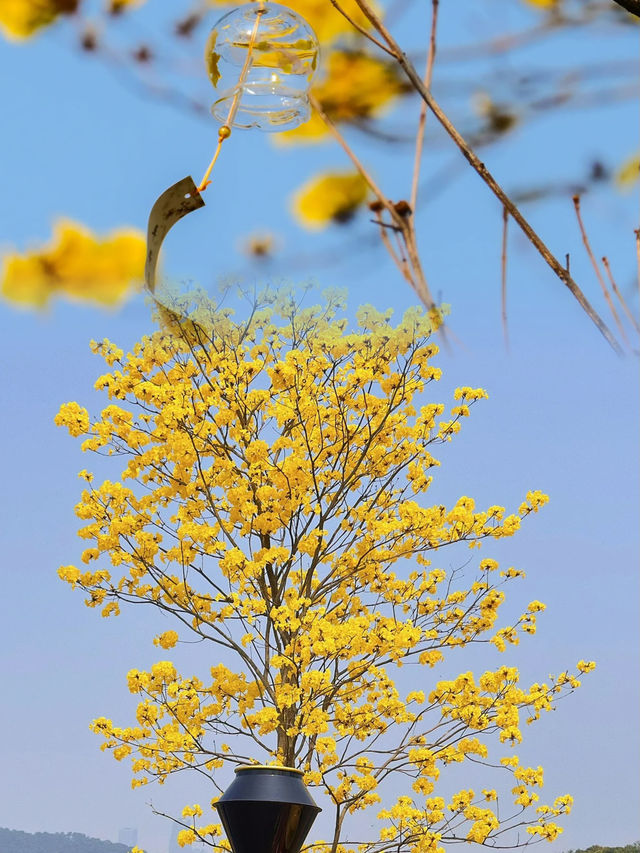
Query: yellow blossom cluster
[
  {"x": 77, "y": 265},
  {"x": 22, "y": 19},
  {"x": 166, "y": 640},
  {"x": 272, "y": 497},
  {"x": 408, "y": 822},
  {"x": 626, "y": 175},
  {"x": 495, "y": 702}
]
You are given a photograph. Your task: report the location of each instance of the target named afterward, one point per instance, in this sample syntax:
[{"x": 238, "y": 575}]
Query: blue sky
[{"x": 562, "y": 414}]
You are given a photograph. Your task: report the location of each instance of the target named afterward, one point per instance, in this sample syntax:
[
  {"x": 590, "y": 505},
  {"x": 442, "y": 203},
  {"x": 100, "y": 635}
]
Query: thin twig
[
  {"x": 505, "y": 228},
  {"x": 387, "y": 243},
  {"x": 421, "y": 285},
  {"x": 594, "y": 264},
  {"x": 403, "y": 223},
  {"x": 486, "y": 176},
  {"x": 414, "y": 272},
  {"x": 637, "y": 233},
  {"x": 422, "y": 121},
  {"x": 621, "y": 298},
  {"x": 362, "y": 30},
  {"x": 333, "y": 130}
]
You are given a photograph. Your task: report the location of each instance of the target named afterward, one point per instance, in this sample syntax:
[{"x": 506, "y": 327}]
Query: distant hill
[{"x": 15, "y": 841}]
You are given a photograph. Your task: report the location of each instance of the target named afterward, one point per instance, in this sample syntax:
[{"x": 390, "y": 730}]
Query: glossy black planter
[{"x": 267, "y": 810}]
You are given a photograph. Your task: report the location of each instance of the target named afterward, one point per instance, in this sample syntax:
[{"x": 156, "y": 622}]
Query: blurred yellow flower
[
  {"x": 76, "y": 264},
  {"x": 20, "y": 19},
  {"x": 356, "y": 87},
  {"x": 332, "y": 197},
  {"x": 117, "y": 6},
  {"x": 629, "y": 172},
  {"x": 543, "y": 4}
]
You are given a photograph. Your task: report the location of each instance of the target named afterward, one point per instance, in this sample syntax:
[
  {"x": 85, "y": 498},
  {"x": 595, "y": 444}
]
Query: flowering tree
[{"x": 272, "y": 502}]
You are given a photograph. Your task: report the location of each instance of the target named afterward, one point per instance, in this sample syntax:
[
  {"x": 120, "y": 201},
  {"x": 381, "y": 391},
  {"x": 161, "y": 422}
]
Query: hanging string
[{"x": 225, "y": 130}]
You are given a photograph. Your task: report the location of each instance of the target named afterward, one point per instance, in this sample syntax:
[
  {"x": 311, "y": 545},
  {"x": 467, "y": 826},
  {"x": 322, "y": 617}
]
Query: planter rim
[{"x": 268, "y": 767}]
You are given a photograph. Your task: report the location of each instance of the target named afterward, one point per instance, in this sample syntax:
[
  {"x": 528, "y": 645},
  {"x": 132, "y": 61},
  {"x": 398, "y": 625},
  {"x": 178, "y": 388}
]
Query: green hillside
[{"x": 15, "y": 841}]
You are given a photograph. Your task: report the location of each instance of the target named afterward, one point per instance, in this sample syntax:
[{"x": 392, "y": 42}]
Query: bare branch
[
  {"x": 594, "y": 264},
  {"x": 422, "y": 121},
  {"x": 486, "y": 176},
  {"x": 621, "y": 299}
]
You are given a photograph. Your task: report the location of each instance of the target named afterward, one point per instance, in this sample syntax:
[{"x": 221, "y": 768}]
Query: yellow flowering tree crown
[{"x": 272, "y": 500}]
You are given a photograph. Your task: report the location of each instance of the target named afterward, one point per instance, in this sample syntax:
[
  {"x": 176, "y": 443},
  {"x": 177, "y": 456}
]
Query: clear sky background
[{"x": 79, "y": 140}]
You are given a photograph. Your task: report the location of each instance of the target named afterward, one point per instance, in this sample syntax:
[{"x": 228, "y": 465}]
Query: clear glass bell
[{"x": 260, "y": 59}]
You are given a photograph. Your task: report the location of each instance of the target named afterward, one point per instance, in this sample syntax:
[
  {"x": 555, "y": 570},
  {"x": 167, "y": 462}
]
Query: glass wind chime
[{"x": 260, "y": 59}]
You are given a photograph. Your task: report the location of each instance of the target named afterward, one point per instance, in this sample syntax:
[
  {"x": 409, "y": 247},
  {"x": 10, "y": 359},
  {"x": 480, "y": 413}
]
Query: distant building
[{"x": 128, "y": 835}]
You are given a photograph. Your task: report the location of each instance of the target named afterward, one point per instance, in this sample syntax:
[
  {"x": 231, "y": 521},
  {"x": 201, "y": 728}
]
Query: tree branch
[{"x": 486, "y": 176}]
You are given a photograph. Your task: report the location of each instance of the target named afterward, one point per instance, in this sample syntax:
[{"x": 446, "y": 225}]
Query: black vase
[{"x": 267, "y": 810}]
